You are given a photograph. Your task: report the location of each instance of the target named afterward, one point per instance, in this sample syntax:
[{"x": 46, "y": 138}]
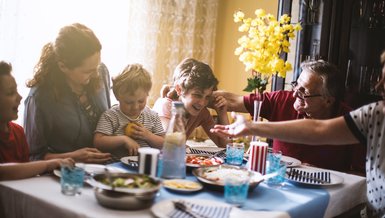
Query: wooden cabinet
[{"x": 348, "y": 33}]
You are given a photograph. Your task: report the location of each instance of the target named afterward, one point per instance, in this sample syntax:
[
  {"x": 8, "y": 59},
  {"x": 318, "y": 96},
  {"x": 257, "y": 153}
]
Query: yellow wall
[{"x": 229, "y": 70}]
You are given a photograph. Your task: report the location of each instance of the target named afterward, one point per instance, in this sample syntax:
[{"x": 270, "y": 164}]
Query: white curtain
[
  {"x": 155, "y": 33},
  {"x": 163, "y": 32}
]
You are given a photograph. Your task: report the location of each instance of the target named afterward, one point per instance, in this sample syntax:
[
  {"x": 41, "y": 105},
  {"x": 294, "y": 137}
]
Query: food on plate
[
  {"x": 140, "y": 181},
  {"x": 203, "y": 160},
  {"x": 219, "y": 174},
  {"x": 181, "y": 184}
]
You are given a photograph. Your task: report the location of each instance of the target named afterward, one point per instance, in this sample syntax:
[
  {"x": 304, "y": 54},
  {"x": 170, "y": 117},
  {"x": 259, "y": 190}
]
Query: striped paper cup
[{"x": 257, "y": 156}]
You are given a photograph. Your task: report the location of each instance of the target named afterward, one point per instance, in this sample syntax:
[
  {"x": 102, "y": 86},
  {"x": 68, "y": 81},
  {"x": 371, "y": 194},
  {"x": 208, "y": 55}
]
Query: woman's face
[
  {"x": 195, "y": 100},
  {"x": 9, "y": 99},
  {"x": 81, "y": 75}
]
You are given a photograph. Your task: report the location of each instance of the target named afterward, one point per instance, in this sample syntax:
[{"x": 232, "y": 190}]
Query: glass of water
[
  {"x": 71, "y": 179},
  {"x": 236, "y": 188},
  {"x": 234, "y": 153}
]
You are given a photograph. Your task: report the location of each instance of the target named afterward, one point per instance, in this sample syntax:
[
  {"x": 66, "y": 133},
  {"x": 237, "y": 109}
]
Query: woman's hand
[
  {"x": 90, "y": 155},
  {"x": 240, "y": 127}
]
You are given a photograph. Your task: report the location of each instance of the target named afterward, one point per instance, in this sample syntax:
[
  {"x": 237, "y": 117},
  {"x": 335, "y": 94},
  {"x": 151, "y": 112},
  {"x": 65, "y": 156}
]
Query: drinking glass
[
  {"x": 71, "y": 179},
  {"x": 234, "y": 153},
  {"x": 236, "y": 189},
  {"x": 274, "y": 165}
]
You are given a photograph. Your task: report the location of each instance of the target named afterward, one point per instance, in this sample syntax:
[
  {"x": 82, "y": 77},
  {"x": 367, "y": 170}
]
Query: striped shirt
[{"x": 114, "y": 122}]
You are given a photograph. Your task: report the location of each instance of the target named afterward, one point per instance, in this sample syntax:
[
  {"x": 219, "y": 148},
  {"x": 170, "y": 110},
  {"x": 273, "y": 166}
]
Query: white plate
[
  {"x": 94, "y": 168},
  {"x": 290, "y": 161},
  {"x": 129, "y": 159},
  {"x": 334, "y": 179},
  {"x": 169, "y": 184},
  {"x": 163, "y": 208}
]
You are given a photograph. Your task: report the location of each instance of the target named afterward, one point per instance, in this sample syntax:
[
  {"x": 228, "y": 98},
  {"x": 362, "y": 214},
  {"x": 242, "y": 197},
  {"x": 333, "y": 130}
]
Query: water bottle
[{"x": 174, "y": 147}]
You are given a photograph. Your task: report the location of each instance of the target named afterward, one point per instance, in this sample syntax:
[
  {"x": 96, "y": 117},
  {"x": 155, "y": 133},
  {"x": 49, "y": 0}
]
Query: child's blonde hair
[{"x": 133, "y": 77}]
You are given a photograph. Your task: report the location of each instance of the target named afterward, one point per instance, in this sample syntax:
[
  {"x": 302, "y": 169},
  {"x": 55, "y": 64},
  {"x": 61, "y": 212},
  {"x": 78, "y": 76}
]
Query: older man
[
  {"x": 315, "y": 95},
  {"x": 365, "y": 125}
]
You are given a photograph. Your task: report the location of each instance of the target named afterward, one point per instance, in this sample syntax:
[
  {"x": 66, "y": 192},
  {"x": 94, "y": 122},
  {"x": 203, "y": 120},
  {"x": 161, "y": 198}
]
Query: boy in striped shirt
[{"x": 131, "y": 124}]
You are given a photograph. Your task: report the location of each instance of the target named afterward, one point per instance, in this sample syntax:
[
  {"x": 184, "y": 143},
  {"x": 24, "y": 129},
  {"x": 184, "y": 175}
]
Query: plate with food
[
  {"x": 182, "y": 185},
  {"x": 202, "y": 160},
  {"x": 214, "y": 177}
]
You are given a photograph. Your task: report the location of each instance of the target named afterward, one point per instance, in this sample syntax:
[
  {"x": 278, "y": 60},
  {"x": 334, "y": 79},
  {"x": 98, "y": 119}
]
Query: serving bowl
[{"x": 124, "y": 198}]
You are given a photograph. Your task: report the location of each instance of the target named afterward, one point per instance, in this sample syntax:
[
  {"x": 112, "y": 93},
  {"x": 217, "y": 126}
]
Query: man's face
[
  {"x": 9, "y": 99},
  {"x": 310, "y": 84}
]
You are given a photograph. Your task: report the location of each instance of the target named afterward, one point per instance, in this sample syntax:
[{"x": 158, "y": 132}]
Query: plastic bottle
[{"x": 174, "y": 147}]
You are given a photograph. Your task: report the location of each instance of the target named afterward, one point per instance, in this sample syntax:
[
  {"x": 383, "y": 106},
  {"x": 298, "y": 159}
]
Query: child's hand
[
  {"x": 140, "y": 132},
  {"x": 132, "y": 146},
  {"x": 219, "y": 104}
]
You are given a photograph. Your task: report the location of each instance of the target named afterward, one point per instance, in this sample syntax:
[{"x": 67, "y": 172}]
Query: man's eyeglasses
[{"x": 300, "y": 91}]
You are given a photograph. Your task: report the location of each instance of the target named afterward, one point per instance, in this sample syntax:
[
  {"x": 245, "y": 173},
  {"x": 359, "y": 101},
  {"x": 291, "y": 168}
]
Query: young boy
[
  {"x": 13, "y": 144},
  {"x": 124, "y": 128}
]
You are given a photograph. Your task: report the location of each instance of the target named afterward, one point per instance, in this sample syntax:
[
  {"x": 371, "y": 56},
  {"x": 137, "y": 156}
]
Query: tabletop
[{"x": 40, "y": 196}]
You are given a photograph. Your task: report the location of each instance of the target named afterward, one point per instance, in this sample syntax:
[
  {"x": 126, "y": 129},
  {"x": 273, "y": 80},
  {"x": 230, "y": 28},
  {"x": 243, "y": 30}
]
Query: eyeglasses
[{"x": 300, "y": 91}]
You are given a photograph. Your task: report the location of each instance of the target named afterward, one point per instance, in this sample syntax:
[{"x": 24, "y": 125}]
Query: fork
[{"x": 187, "y": 209}]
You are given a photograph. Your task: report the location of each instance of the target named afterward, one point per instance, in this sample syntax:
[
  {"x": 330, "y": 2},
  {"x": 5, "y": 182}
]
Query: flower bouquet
[{"x": 262, "y": 47}]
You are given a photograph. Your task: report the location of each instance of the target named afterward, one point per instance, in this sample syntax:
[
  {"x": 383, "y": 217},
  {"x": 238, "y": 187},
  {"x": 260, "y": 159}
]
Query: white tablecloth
[{"x": 41, "y": 197}]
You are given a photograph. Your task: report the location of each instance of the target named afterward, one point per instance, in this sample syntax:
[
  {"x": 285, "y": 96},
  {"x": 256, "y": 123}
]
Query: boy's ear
[{"x": 178, "y": 90}]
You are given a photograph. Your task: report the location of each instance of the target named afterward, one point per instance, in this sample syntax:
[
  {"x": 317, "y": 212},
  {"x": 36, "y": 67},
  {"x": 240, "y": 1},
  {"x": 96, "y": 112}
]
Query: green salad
[{"x": 132, "y": 182}]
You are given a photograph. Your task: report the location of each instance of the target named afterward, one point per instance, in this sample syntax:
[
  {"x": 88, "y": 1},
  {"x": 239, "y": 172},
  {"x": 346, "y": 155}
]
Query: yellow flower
[{"x": 265, "y": 39}]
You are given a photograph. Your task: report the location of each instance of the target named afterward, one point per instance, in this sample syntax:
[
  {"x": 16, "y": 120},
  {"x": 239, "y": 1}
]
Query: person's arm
[
  {"x": 234, "y": 101},
  {"x": 84, "y": 155},
  {"x": 313, "y": 132},
  {"x": 207, "y": 123},
  {"x": 25, "y": 170},
  {"x": 109, "y": 143}
]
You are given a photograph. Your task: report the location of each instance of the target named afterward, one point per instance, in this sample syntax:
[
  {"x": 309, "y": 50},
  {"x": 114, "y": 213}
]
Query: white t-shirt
[{"x": 368, "y": 125}]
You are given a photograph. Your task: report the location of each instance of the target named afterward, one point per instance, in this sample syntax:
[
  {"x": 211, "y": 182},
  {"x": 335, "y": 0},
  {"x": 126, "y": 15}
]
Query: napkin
[
  {"x": 309, "y": 177},
  {"x": 220, "y": 153},
  {"x": 201, "y": 211}
]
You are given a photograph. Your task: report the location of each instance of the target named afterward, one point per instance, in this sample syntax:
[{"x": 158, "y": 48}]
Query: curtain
[{"x": 161, "y": 33}]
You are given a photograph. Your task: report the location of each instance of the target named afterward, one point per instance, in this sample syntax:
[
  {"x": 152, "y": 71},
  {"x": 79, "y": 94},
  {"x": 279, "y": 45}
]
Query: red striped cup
[{"x": 257, "y": 156}]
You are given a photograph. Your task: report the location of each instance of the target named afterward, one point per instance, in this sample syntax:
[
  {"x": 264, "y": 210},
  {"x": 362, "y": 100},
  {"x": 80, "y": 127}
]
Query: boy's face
[
  {"x": 195, "y": 100},
  {"x": 9, "y": 99},
  {"x": 132, "y": 104}
]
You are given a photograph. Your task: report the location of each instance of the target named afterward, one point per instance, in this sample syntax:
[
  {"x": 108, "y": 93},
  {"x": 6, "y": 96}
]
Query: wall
[{"x": 229, "y": 70}]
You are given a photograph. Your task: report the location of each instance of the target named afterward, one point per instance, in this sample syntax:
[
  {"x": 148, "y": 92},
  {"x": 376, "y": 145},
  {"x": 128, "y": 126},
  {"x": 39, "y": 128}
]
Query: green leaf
[{"x": 256, "y": 83}]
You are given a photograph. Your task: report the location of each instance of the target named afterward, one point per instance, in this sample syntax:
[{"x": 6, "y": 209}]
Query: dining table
[{"x": 41, "y": 196}]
